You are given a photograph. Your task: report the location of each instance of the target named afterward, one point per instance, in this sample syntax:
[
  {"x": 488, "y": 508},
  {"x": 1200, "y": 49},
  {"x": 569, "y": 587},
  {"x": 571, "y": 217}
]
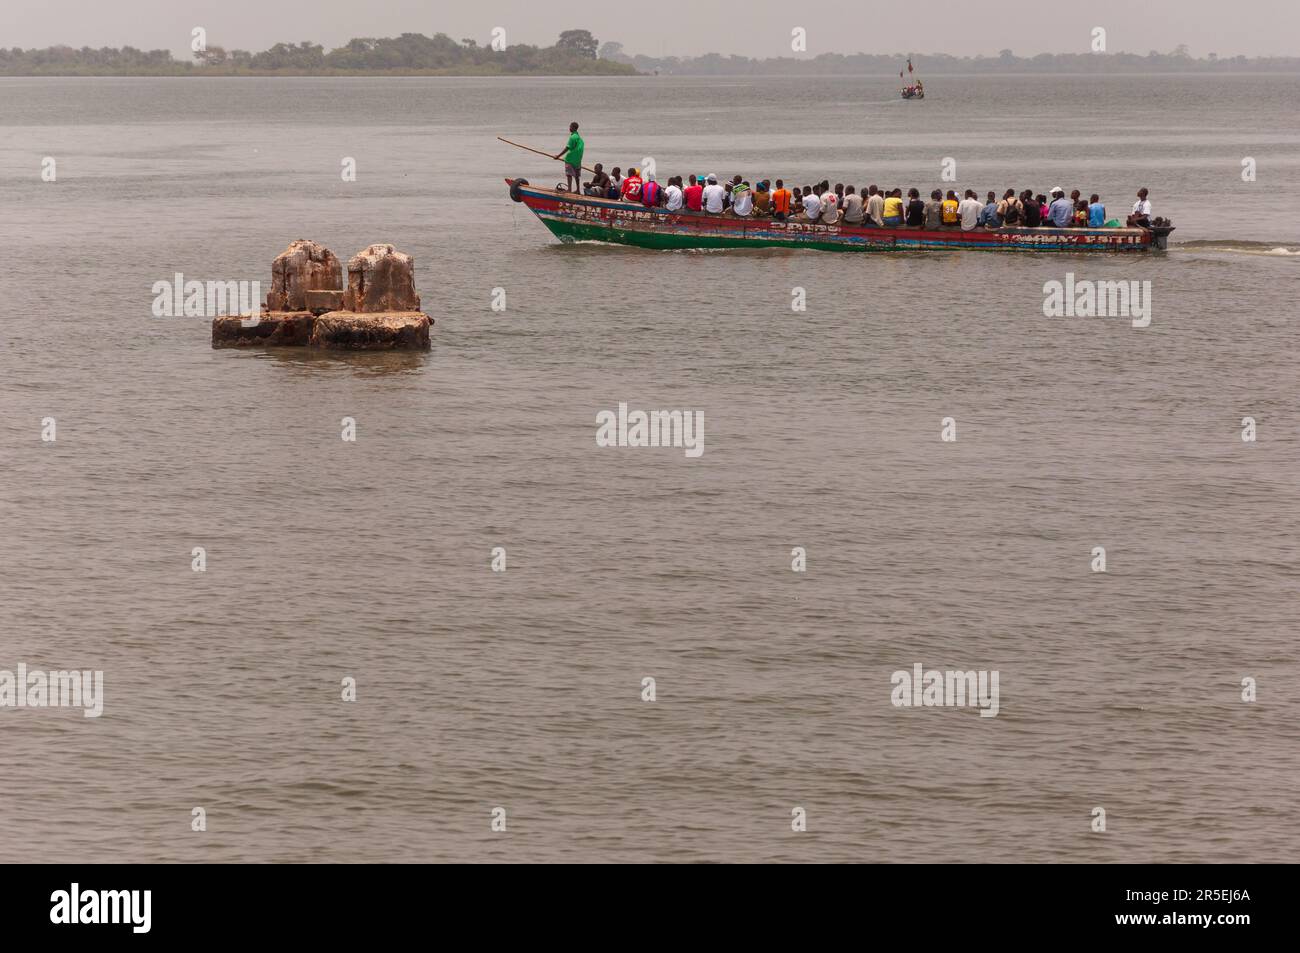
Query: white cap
[
  {"x": 713, "y": 178},
  {"x": 1058, "y": 190}
]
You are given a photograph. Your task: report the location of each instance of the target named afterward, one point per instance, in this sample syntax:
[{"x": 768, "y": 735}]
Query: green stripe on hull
[{"x": 571, "y": 231}]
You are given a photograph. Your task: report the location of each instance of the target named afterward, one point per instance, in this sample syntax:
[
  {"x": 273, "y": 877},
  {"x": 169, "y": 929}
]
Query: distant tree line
[
  {"x": 574, "y": 53},
  {"x": 577, "y": 52},
  {"x": 1177, "y": 61}
]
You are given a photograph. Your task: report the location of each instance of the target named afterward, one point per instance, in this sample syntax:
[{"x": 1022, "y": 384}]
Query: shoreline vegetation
[
  {"x": 575, "y": 53},
  {"x": 578, "y": 53}
]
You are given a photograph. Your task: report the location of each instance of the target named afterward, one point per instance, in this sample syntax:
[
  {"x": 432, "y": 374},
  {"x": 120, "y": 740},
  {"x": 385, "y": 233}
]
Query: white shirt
[
  {"x": 675, "y": 198},
  {"x": 853, "y": 209},
  {"x": 744, "y": 204},
  {"x": 812, "y": 205},
  {"x": 830, "y": 208},
  {"x": 876, "y": 208},
  {"x": 1142, "y": 207},
  {"x": 714, "y": 195},
  {"x": 970, "y": 213}
]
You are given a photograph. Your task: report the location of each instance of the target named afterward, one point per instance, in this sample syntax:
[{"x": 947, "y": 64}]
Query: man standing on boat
[{"x": 572, "y": 156}]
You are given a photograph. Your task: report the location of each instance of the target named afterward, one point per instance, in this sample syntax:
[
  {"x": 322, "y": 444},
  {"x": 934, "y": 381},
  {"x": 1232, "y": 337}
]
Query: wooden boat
[
  {"x": 584, "y": 218},
  {"x": 912, "y": 92}
]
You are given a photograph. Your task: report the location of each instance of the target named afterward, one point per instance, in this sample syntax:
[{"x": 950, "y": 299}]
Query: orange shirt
[{"x": 781, "y": 201}]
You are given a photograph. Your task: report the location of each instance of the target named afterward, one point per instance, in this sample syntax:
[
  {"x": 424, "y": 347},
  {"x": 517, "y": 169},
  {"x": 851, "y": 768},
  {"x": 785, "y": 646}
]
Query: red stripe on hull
[{"x": 627, "y": 215}]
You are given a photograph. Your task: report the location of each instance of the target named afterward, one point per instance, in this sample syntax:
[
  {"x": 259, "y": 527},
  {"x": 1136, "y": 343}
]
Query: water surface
[{"x": 522, "y": 689}]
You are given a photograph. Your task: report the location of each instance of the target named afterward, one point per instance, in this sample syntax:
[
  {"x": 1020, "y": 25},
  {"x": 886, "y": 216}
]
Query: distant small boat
[
  {"x": 912, "y": 90},
  {"x": 585, "y": 218}
]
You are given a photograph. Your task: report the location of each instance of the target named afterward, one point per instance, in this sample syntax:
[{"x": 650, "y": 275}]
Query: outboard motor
[{"x": 1160, "y": 229}]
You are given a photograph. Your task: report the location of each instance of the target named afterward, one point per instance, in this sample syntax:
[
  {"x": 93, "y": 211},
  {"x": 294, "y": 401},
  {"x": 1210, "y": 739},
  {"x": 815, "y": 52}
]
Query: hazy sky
[{"x": 681, "y": 27}]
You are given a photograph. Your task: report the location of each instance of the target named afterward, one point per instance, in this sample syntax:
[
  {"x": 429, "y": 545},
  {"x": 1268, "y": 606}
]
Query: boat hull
[{"x": 581, "y": 218}]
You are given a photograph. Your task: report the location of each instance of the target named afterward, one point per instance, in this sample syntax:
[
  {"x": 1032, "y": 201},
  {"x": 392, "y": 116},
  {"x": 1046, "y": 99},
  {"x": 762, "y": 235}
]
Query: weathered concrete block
[
  {"x": 273, "y": 328},
  {"x": 372, "y": 330},
  {"x": 318, "y": 301},
  {"x": 380, "y": 278},
  {"x": 303, "y": 266}
]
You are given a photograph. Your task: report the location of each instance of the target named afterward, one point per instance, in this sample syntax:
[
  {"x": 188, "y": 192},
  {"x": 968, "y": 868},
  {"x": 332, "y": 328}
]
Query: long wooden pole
[{"x": 539, "y": 152}]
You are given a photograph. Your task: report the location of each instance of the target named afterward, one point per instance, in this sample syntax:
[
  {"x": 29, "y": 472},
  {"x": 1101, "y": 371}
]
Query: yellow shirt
[
  {"x": 950, "y": 216},
  {"x": 893, "y": 206}
]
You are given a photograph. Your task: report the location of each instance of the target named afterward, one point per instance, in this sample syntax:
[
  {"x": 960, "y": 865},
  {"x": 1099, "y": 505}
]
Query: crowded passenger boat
[{"x": 702, "y": 210}]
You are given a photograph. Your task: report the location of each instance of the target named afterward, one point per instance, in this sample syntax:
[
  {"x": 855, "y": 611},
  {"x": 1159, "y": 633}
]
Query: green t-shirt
[{"x": 573, "y": 155}]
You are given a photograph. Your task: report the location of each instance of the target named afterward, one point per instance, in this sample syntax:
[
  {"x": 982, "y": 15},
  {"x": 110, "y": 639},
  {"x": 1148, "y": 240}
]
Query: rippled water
[{"x": 370, "y": 560}]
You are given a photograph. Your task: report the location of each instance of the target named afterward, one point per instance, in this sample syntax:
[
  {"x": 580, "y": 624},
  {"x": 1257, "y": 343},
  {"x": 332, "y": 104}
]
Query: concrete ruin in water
[{"x": 309, "y": 307}]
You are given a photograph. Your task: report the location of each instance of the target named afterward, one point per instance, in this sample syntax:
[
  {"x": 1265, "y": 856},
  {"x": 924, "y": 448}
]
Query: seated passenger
[
  {"x": 599, "y": 184},
  {"x": 951, "y": 216},
  {"x": 742, "y": 199},
  {"x": 892, "y": 209},
  {"x": 1009, "y": 209},
  {"x": 830, "y": 208},
  {"x": 631, "y": 189},
  {"x": 1061, "y": 212},
  {"x": 1031, "y": 212},
  {"x": 812, "y": 205},
  {"x": 853, "y": 209},
  {"x": 934, "y": 210},
  {"x": 715, "y": 196},
  {"x": 674, "y": 198},
  {"x": 781, "y": 201},
  {"x": 915, "y": 209},
  {"x": 969, "y": 210},
  {"x": 1141, "y": 217},
  {"x": 650, "y": 192},
  {"x": 615, "y": 184},
  {"x": 762, "y": 200},
  {"x": 694, "y": 194},
  {"x": 1096, "y": 212},
  {"x": 989, "y": 217},
  {"x": 875, "y": 207}
]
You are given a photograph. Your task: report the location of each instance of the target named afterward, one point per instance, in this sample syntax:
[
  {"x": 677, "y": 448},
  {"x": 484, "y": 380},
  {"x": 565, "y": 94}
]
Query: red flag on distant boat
[
  {"x": 900, "y": 74},
  {"x": 909, "y": 66}
]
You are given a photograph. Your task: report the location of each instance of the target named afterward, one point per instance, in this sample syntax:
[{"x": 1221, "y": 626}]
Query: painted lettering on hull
[{"x": 625, "y": 220}]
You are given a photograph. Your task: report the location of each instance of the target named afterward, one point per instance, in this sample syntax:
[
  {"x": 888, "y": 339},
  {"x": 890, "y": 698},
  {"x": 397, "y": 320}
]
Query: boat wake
[{"x": 1268, "y": 249}]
